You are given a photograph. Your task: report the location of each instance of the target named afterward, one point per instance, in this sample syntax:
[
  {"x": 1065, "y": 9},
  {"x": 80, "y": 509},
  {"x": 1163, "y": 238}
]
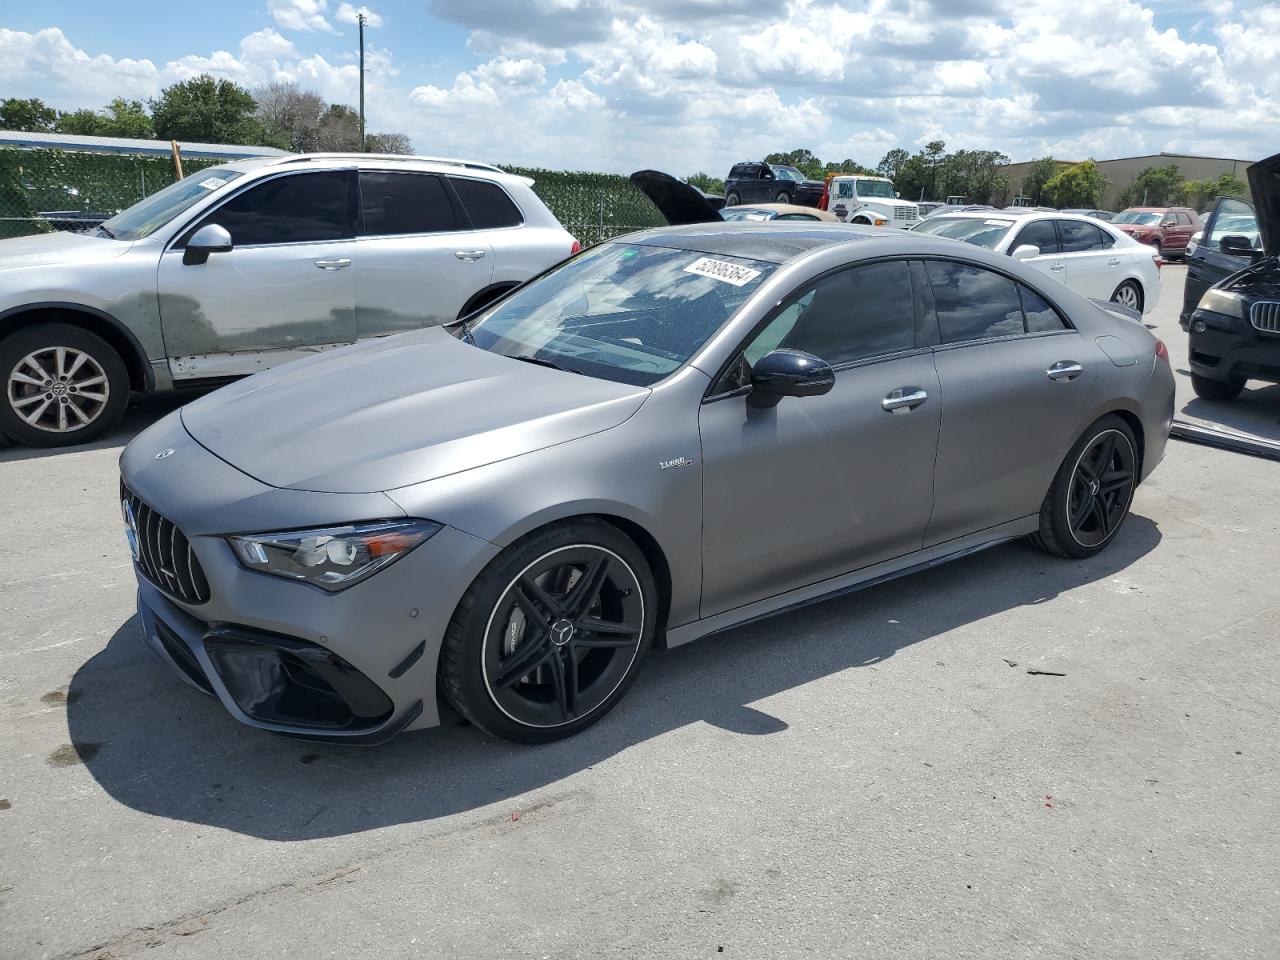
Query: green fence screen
[{"x": 43, "y": 190}]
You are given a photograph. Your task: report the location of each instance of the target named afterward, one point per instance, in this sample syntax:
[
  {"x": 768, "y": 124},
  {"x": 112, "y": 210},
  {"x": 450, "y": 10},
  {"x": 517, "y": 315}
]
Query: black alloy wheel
[
  {"x": 732, "y": 199},
  {"x": 552, "y": 633},
  {"x": 1092, "y": 492}
]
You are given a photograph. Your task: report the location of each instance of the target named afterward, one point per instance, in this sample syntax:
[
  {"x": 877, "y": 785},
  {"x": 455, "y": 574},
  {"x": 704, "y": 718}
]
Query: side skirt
[{"x": 857, "y": 580}]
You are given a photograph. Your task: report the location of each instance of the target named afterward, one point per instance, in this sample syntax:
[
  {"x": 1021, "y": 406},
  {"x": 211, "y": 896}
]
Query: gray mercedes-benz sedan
[{"x": 665, "y": 436}]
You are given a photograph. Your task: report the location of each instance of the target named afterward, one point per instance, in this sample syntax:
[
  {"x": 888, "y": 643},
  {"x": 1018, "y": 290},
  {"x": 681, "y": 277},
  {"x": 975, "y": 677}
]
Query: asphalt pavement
[{"x": 878, "y": 776}]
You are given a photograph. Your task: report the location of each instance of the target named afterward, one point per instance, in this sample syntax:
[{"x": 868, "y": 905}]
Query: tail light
[
  {"x": 1162, "y": 351},
  {"x": 575, "y": 249},
  {"x": 1157, "y": 260}
]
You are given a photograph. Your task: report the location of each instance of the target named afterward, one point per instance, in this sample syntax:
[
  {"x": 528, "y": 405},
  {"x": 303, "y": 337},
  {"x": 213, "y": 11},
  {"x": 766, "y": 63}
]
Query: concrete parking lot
[{"x": 878, "y": 776}]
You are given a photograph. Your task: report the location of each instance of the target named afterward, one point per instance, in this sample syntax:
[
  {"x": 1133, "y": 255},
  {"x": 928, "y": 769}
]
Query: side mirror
[
  {"x": 1025, "y": 252},
  {"x": 210, "y": 238},
  {"x": 788, "y": 373},
  {"x": 1236, "y": 245}
]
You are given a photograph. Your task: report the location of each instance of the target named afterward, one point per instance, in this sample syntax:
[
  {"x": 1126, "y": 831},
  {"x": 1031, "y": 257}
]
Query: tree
[
  {"x": 1200, "y": 194},
  {"x": 1041, "y": 172},
  {"x": 974, "y": 174},
  {"x": 122, "y": 118},
  {"x": 206, "y": 109},
  {"x": 290, "y": 115},
  {"x": 1154, "y": 187},
  {"x": 1079, "y": 185},
  {"x": 127, "y": 118},
  {"x": 706, "y": 183},
  {"x": 846, "y": 166},
  {"x": 802, "y": 159},
  {"x": 31, "y": 115},
  {"x": 339, "y": 129},
  {"x": 891, "y": 163},
  {"x": 387, "y": 143}
]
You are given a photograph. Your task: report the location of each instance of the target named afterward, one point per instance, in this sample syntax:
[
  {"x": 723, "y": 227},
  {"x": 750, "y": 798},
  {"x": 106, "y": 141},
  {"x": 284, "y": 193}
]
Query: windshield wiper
[
  {"x": 106, "y": 232},
  {"x": 542, "y": 363}
]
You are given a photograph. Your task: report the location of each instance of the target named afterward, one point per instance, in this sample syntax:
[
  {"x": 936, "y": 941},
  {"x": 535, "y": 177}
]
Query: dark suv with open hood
[
  {"x": 1232, "y": 295},
  {"x": 760, "y": 182}
]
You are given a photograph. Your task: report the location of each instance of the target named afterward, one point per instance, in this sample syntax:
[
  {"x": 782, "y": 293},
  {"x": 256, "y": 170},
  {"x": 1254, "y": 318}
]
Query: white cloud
[
  {"x": 300, "y": 14},
  {"x": 346, "y": 13}
]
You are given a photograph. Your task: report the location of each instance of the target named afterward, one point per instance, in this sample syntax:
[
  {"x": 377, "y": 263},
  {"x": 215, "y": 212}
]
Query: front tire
[
  {"x": 62, "y": 385},
  {"x": 1091, "y": 494},
  {"x": 552, "y": 633},
  {"x": 732, "y": 199},
  {"x": 1207, "y": 389},
  {"x": 782, "y": 197}
]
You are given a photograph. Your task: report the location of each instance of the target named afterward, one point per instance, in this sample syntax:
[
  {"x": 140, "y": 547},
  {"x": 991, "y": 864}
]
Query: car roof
[
  {"x": 779, "y": 208},
  {"x": 379, "y": 161},
  {"x": 770, "y": 240}
]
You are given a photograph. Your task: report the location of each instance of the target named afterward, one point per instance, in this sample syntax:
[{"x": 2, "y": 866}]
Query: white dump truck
[{"x": 871, "y": 201}]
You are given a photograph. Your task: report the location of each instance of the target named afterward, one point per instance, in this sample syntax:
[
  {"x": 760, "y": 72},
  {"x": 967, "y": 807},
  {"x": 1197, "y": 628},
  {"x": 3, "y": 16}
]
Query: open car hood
[
  {"x": 1264, "y": 183},
  {"x": 679, "y": 202}
]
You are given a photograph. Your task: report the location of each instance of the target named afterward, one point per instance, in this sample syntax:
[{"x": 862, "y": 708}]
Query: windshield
[
  {"x": 150, "y": 214},
  {"x": 875, "y": 188},
  {"x": 1136, "y": 216},
  {"x": 625, "y": 312},
  {"x": 789, "y": 173},
  {"x": 982, "y": 233},
  {"x": 746, "y": 213}
]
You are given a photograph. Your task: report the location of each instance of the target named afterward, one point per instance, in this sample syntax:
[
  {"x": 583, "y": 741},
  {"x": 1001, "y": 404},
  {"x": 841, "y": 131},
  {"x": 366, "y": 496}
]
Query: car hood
[
  {"x": 397, "y": 411},
  {"x": 1264, "y": 184},
  {"x": 679, "y": 202},
  {"x": 44, "y": 249}
]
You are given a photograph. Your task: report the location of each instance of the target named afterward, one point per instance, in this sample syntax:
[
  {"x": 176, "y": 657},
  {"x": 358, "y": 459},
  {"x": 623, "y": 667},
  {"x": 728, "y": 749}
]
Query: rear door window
[
  {"x": 1041, "y": 317},
  {"x": 1078, "y": 236},
  {"x": 973, "y": 303},
  {"x": 487, "y": 203},
  {"x": 297, "y": 208},
  {"x": 401, "y": 203}
]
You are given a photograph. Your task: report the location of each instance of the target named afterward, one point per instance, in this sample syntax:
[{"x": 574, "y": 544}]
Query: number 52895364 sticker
[{"x": 733, "y": 273}]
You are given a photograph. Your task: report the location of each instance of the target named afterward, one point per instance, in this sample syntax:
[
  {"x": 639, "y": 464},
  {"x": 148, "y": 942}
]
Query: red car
[{"x": 1166, "y": 228}]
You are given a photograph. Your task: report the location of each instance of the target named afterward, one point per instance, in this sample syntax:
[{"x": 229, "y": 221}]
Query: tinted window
[
  {"x": 1183, "y": 218},
  {"x": 487, "y": 203},
  {"x": 852, "y": 315},
  {"x": 299, "y": 208},
  {"x": 1078, "y": 236},
  {"x": 404, "y": 203},
  {"x": 1233, "y": 217},
  {"x": 794, "y": 216},
  {"x": 1040, "y": 234},
  {"x": 737, "y": 171},
  {"x": 973, "y": 303},
  {"x": 1041, "y": 318}
]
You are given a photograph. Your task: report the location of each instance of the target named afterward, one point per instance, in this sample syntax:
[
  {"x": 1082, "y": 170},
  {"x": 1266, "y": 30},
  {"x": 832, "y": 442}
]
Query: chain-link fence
[{"x": 44, "y": 190}]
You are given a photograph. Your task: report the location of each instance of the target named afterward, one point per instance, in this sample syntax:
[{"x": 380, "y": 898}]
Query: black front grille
[{"x": 165, "y": 556}]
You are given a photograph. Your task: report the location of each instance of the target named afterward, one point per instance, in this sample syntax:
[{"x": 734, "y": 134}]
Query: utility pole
[{"x": 360, "y": 19}]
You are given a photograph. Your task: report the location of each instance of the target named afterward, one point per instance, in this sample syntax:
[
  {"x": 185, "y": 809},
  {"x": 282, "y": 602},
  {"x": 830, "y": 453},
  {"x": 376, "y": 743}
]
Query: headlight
[
  {"x": 332, "y": 557},
  {"x": 1224, "y": 302}
]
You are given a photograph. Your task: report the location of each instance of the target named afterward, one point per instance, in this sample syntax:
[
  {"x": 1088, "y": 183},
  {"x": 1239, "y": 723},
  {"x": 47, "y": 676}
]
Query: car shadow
[
  {"x": 161, "y": 748},
  {"x": 141, "y": 413},
  {"x": 1256, "y": 412}
]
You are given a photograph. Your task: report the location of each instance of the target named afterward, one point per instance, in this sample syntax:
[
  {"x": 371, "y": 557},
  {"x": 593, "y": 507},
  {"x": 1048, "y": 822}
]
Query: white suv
[{"x": 241, "y": 267}]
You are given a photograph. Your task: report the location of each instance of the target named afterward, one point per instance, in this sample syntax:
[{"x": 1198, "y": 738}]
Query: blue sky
[{"x": 692, "y": 85}]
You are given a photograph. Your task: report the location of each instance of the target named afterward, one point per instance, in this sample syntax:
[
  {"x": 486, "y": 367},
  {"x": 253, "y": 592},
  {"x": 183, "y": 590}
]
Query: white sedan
[{"x": 1090, "y": 256}]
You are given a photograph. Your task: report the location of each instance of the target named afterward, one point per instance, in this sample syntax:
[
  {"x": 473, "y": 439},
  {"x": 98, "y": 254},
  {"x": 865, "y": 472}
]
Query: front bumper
[
  {"x": 356, "y": 666},
  {"x": 1229, "y": 349}
]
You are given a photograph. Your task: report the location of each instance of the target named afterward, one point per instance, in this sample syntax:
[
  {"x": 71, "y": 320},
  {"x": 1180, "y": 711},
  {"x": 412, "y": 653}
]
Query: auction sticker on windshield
[
  {"x": 722, "y": 270},
  {"x": 213, "y": 183}
]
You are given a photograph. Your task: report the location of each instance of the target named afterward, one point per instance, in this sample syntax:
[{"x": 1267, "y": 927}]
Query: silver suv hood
[
  {"x": 398, "y": 411},
  {"x": 45, "y": 249}
]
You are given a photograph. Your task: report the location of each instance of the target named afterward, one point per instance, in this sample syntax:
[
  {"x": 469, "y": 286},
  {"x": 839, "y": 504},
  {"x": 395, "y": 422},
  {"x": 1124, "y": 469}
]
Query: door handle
[
  {"x": 1113, "y": 262},
  {"x": 1064, "y": 370},
  {"x": 1058, "y": 266},
  {"x": 333, "y": 264},
  {"x": 903, "y": 400},
  {"x": 469, "y": 254}
]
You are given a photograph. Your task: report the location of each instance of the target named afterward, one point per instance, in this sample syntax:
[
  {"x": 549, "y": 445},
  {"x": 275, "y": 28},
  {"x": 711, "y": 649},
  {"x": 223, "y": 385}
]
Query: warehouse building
[{"x": 1123, "y": 171}]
